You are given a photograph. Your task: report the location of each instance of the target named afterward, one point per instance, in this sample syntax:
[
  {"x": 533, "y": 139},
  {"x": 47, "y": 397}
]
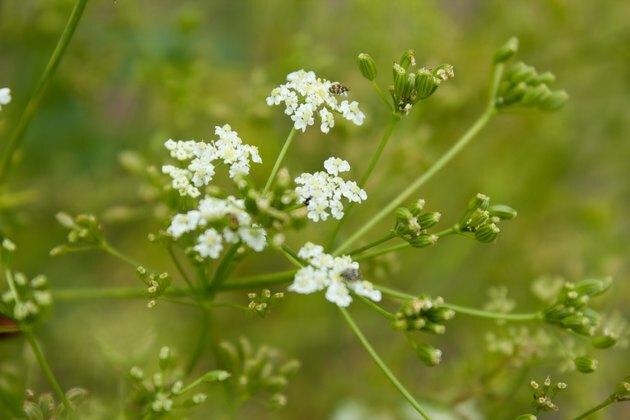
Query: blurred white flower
[
  {"x": 305, "y": 95},
  {"x": 5, "y": 96}
]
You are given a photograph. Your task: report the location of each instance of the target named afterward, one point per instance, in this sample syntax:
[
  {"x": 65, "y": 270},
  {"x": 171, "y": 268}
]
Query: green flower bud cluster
[
  {"x": 279, "y": 208},
  {"x": 585, "y": 364},
  {"x": 257, "y": 373},
  {"x": 412, "y": 225},
  {"x": 158, "y": 394},
  {"x": 410, "y": 85},
  {"x": 571, "y": 311},
  {"x": 544, "y": 393},
  {"x": 85, "y": 232},
  {"x": 423, "y": 314},
  {"x": 45, "y": 406},
  {"x": 261, "y": 303},
  {"x": 482, "y": 219},
  {"x": 156, "y": 283},
  {"x": 523, "y": 86}
]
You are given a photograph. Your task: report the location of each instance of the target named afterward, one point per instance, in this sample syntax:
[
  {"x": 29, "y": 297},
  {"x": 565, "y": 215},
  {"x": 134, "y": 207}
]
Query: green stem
[
  {"x": 382, "y": 95},
  {"x": 106, "y": 247},
  {"x": 392, "y": 378},
  {"x": 400, "y": 246},
  {"x": 201, "y": 340},
  {"x": 276, "y": 166},
  {"x": 291, "y": 256},
  {"x": 373, "y": 244},
  {"x": 222, "y": 270},
  {"x": 415, "y": 185},
  {"x": 535, "y": 316},
  {"x": 366, "y": 175},
  {"x": 179, "y": 267},
  {"x": 43, "y": 363},
  {"x": 36, "y": 97},
  {"x": 376, "y": 307},
  {"x": 598, "y": 407}
]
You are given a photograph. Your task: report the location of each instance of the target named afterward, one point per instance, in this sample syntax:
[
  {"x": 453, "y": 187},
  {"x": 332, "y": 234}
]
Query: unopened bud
[
  {"x": 585, "y": 364},
  {"x": 408, "y": 59},
  {"x": 367, "y": 66},
  {"x": 604, "y": 341},
  {"x": 502, "y": 211},
  {"x": 507, "y": 51},
  {"x": 429, "y": 355},
  {"x": 487, "y": 233},
  {"x": 479, "y": 201}
]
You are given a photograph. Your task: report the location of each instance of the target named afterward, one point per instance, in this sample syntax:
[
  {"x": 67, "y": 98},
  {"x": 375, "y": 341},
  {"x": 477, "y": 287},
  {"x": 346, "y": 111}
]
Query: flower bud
[
  {"x": 593, "y": 287},
  {"x": 555, "y": 101},
  {"x": 429, "y": 355},
  {"x": 521, "y": 72},
  {"x": 585, "y": 364},
  {"x": 426, "y": 83},
  {"x": 487, "y": 233},
  {"x": 477, "y": 218},
  {"x": 410, "y": 84},
  {"x": 507, "y": 51},
  {"x": 479, "y": 201},
  {"x": 399, "y": 80},
  {"x": 428, "y": 220},
  {"x": 408, "y": 59},
  {"x": 416, "y": 208},
  {"x": 526, "y": 417},
  {"x": 604, "y": 341},
  {"x": 502, "y": 211},
  {"x": 367, "y": 66},
  {"x": 423, "y": 240},
  {"x": 545, "y": 78}
]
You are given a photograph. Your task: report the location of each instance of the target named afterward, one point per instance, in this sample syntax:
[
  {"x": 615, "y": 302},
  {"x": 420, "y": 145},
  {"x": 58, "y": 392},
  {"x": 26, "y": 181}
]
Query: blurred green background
[{"x": 138, "y": 72}]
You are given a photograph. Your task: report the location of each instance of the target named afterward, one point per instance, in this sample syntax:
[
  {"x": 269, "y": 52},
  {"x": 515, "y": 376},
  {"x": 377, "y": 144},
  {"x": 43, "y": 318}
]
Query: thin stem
[
  {"x": 36, "y": 97},
  {"x": 609, "y": 400},
  {"x": 373, "y": 244},
  {"x": 392, "y": 378},
  {"x": 382, "y": 95},
  {"x": 376, "y": 307},
  {"x": 415, "y": 185},
  {"x": 179, "y": 267},
  {"x": 480, "y": 313},
  {"x": 400, "y": 246},
  {"x": 43, "y": 364},
  {"x": 105, "y": 246},
  {"x": 366, "y": 175},
  {"x": 201, "y": 340},
  {"x": 291, "y": 256},
  {"x": 260, "y": 280},
  {"x": 276, "y": 166}
]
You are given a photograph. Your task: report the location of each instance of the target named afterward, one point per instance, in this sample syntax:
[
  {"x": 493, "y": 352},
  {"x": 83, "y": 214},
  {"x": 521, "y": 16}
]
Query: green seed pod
[
  {"x": 604, "y": 341},
  {"x": 555, "y": 101},
  {"x": 434, "y": 328},
  {"x": 545, "y": 78},
  {"x": 575, "y": 320},
  {"x": 526, "y": 417},
  {"x": 477, "y": 219},
  {"x": 408, "y": 59},
  {"x": 426, "y": 83},
  {"x": 536, "y": 95},
  {"x": 410, "y": 84},
  {"x": 479, "y": 201},
  {"x": 521, "y": 72},
  {"x": 399, "y": 81},
  {"x": 622, "y": 390},
  {"x": 423, "y": 241},
  {"x": 403, "y": 215},
  {"x": 428, "y": 220},
  {"x": 429, "y": 355},
  {"x": 487, "y": 233},
  {"x": 512, "y": 95},
  {"x": 367, "y": 66},
  {"x": 507, "y": 51},
  {"x": 441, "y": 314},
  {"x": 502, "y": 211},
  {"x": 585, "y": 364}
]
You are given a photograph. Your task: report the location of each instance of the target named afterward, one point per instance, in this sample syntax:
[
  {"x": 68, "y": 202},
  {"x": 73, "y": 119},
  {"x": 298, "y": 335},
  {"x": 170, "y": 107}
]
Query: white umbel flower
[
  {"x": 201, "y": 157},
  {"x": 323, "y": 191},
  {"x": 338, "y": 275},
  {"x": 5, "y": 96},
  {"x": 220, "y": 220},
  {"x": 305, "y": 95}
]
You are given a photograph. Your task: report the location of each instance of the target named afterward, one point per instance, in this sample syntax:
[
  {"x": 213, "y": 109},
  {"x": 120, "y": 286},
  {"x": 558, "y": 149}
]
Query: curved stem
[
  {"x": 179, "y": 267},
  {"x": 382, "y": 95},
  {"x": 43, "y": 363},
  {"x": 105, "y": 246},
  {"x": 377, "y": 242},
  {"x": 480, "y": 313},
  {"x": 598, "y": 407},
  {"x": 366, "y": 175},
  {"x": 376, "y": 307},
  {"x": 392, "y": 378},
  {"x": 36, "y": 97},
  {"x": 276, "y": 166},
  {"x": 415, "y": 185}
]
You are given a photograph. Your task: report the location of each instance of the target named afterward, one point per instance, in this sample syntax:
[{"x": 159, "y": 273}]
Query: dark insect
[
  {"x": 233, "y": 222},
  {"x": 351, "y": 274},
  {"x": 338, "y": 89}
]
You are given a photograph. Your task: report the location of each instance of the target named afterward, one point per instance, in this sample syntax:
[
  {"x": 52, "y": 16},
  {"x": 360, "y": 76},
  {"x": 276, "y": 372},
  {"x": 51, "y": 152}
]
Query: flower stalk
[{"x": 279, "y": 159}]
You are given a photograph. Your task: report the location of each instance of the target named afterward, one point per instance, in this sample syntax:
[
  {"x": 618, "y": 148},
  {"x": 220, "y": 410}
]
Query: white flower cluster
[
  {"x": 217, "y": 211},
  {"x": 305, "y": 95},
  {"x": 5, "y": 96},
  {"x": 29, "y": 298},
  {"x": 201, "y": 158},
  {"x": 323, "y": 190},
  {"x": 337, "y": 275}
]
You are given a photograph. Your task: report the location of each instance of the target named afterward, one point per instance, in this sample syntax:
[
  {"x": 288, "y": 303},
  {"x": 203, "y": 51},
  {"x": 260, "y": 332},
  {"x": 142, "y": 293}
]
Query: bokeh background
[{"x": 138, "y": 72}]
